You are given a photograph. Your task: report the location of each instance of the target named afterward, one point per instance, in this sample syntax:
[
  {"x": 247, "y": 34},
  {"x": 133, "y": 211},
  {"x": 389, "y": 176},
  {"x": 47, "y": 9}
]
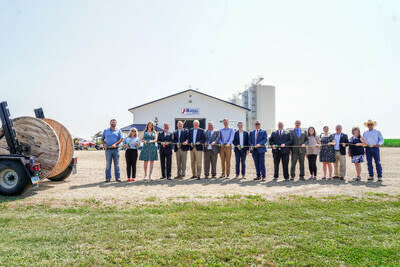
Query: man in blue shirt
[
  {"x": 226, "y": 139},
  {"x": 374, "y": 140},
  {"x": 111, "y": 138}
]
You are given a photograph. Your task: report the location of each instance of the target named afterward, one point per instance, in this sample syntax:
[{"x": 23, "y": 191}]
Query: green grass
[
  {"x": 151, "y": 199},
  {"x": 246, "y": 231},
  {"x": 392, "y": 143}
]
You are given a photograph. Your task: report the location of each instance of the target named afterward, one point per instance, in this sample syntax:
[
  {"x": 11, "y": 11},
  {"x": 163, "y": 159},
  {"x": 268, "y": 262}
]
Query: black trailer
[{"x": 18, "y": 171}]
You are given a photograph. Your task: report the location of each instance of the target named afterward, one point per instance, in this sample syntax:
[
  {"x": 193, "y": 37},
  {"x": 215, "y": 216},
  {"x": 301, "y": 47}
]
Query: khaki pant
[
  {"x": 196, "y": 161},
  {"x": 210, "y": 158},
  {"x": 225, "y": 154},
  {"x": 340, "y": 159},
  {"x": 181, "y": 161}
]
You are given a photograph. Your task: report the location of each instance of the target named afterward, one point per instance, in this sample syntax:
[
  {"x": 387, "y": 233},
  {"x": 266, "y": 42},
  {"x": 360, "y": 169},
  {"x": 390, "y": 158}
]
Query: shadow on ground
[{"x": 223, "y": 182}]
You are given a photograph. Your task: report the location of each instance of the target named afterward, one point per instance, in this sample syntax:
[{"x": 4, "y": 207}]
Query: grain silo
[{"x": 260, "y": 99}]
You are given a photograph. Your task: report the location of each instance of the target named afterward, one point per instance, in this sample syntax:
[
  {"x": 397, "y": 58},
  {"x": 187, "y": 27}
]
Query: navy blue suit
[
  {"x": 259, "y": 153},
  {"x": 240, "y": 154},
  {"x": 184, "y": 138},
  {"x": 281, "y": 153},
  {"x": 200, "y": 137}
]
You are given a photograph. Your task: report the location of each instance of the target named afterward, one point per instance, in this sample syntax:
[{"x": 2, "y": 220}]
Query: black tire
[
  {"x": 64, "y": 175},
  {"x": 13, "y": 178}
]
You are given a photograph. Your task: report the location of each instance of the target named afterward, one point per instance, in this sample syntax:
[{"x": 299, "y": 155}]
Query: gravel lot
[{"x": 88, "y": 184}]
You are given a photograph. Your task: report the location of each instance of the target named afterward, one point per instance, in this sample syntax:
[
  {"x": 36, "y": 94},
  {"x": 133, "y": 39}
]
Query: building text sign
[{"x": 190, "y": 111}]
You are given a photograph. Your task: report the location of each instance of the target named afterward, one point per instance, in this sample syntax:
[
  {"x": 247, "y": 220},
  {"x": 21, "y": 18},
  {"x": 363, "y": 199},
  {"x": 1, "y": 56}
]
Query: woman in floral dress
[
  {"x": 327, "y": 152},
  {"x": 149, "y": 150}
]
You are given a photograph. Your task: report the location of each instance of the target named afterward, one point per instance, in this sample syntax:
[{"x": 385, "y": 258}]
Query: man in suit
[
  {"x": 181, "y": 140},
  {"x": 196, "y": 140},
  {"x": 211, "y": 150},
  {"x": 258, "y": 140},
  {"x": 299, "y": 139},
  {"x": 226, "y": 139},
  {"x": 279, "y": 141},
  {"x": 241, "y": 143},
  {"x": 342, "y": 141},
  {"x": 164, "y": 140}
]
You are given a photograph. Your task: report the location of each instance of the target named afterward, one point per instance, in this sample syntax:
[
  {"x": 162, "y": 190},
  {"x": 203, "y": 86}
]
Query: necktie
[
  {"x": 280, "y": 133},
  {"x": 255, "y": 141}
]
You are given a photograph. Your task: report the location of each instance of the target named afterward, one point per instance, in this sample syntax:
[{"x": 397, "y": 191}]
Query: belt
[
  {"x": 111, "y": 148},
  {"x": 131, "y": 149}
]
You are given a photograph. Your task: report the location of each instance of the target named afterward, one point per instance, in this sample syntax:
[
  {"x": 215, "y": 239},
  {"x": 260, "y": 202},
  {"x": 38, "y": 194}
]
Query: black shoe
[
  {"x": 193, "y": 177},
  {"x": 256, "y": 179},
  {"x": 107, "y": 181},
  {"x": 291, "y": 178},
  {"x": 371, "y": 178},
  {"x": 335, "y": 177},
  {"x": 222, "y": 176},
  {"x": 162, "y": 178},
  {"x": 118, "y": 180},
  {"x": 379, "y": 179},
  {"x": 198, "y": 178},
  {"x": 341, "y": 178}
]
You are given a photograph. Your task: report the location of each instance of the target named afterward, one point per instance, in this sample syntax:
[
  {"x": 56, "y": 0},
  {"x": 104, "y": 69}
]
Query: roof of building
[
  {"x": 139, "y": 127},
  {"x": 185, "y": 91}
]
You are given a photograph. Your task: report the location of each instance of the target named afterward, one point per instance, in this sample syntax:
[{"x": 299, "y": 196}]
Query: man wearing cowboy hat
[{"x": 374, "y": 140}]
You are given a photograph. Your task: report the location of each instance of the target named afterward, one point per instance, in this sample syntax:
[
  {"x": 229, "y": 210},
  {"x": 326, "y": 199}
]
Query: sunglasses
[
  {"x": 370, "y": 124},
  {"x": 257, "y": 123}
]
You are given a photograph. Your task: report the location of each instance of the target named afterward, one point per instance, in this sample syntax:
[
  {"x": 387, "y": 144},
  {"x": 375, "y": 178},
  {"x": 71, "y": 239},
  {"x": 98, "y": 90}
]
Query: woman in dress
[
  {"x": 131, "y": 145},
  {"x": 327, "y": 153},
  {"x": 312, "y": 152},
  {"x": 149, "y": 150},
  {"x": 356, "y": 151}
]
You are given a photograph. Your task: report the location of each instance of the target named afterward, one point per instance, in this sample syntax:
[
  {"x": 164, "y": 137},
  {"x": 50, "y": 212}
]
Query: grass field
[
  {"x": 238, "y": 230},
  {"x": 392, "y": 143}
]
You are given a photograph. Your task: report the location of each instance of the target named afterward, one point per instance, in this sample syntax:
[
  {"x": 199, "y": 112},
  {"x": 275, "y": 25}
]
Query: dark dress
[
  {"x": 327, "y": 153},
  {"x": 149, "y": 150}
]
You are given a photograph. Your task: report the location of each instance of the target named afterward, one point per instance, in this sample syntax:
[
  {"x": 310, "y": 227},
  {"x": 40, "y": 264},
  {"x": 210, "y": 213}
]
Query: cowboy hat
[{"x": 369, "y": 122}]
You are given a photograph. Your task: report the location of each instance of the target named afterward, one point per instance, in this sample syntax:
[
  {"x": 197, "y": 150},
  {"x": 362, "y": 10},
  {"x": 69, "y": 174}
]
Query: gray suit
[
  {"x": 298, "y": 153},
  {"x": 211, "y": 154}
]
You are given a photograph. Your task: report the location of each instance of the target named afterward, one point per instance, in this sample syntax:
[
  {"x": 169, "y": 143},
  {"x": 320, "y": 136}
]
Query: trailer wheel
[
  {"x": 64, "y": 175},
  {"x": 13, "y": 178}
]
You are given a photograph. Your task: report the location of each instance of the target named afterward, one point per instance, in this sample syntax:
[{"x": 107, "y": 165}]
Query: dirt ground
[{"x": 88, "y": 184}]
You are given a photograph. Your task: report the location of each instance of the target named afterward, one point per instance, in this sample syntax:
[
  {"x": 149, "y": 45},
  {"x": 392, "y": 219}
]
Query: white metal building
[{"x": 188, "y": 106}]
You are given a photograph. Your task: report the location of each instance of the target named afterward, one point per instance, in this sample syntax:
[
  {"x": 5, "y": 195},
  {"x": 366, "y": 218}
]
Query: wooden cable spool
[
  {"x": 43, "y": 142},
  {"x": 66, "y": 146}
]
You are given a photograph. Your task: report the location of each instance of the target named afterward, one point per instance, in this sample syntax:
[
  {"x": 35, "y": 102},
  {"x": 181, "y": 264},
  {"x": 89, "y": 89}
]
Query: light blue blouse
[{"x": 130, "y": 141}]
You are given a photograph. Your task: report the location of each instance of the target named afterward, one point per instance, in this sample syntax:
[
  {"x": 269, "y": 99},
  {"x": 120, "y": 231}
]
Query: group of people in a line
[{"x": 205, "y": 145}]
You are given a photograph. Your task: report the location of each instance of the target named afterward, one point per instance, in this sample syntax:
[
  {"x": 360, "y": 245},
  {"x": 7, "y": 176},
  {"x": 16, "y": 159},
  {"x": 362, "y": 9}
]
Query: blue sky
[{"x": 85, "y": 62}]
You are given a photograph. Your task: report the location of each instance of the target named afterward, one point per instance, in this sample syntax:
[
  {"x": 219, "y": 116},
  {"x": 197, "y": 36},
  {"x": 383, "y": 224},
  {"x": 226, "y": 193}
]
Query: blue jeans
[
  {"x": 112, "y": 154},
  {"x": 240, "y": 157},
  {"x": 373, "y": 153},
  {"x": 259, "y": 162}
]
